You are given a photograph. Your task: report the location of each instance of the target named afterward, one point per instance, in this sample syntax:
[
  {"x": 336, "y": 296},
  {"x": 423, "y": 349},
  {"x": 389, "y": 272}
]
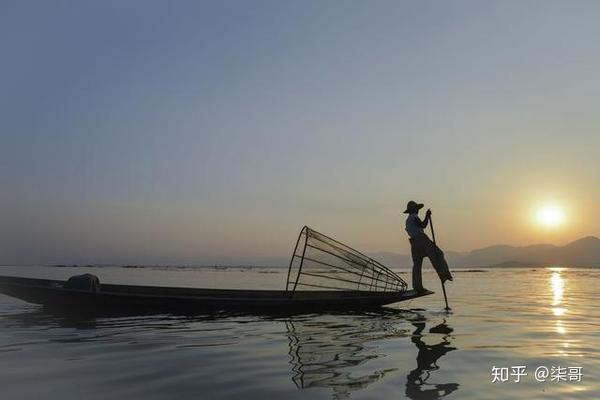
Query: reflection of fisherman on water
[{"x": 417, "y": 385}]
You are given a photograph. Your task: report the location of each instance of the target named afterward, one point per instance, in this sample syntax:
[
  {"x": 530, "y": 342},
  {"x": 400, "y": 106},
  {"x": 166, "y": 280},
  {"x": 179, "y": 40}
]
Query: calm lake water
[{"x": 542, "y": 317}]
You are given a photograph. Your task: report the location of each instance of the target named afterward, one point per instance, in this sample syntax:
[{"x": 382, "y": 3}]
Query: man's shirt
[{"x": 414, "y": 225}]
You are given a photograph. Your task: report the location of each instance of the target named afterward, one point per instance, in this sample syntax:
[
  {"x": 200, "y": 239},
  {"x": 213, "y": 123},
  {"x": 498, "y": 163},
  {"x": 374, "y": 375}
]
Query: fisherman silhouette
[
  {"x": 421, "y": 246},
  {"x": 427, "y": 358}
]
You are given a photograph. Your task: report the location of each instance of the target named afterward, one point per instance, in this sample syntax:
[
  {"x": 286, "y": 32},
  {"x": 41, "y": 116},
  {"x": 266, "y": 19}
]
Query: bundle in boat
[{"x": 322, "y": 263}]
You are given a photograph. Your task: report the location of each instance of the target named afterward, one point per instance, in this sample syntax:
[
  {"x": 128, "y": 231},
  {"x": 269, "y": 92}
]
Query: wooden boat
[
  {"x": 52, "y": 293},
  {"x": 323, "y": 274}
]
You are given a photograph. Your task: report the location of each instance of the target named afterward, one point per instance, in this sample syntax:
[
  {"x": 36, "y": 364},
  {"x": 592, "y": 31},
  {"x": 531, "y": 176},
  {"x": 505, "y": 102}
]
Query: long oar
[{"x": 433, "y": 237}]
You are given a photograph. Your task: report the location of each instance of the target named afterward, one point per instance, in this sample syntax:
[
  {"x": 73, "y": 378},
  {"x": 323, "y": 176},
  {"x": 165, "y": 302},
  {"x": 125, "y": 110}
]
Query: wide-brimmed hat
[{"x": 412, "y": 207}]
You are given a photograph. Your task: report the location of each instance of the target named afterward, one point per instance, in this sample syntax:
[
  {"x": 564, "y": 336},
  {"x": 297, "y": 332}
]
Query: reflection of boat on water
[
  {"x": 334, "y": 351},
  {"x": 323, "y": 273},
  {"x": 341, "y": 352}
]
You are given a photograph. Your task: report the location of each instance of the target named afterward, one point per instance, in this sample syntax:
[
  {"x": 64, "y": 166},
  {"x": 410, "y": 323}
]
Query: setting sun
[{"x": 550, "y": 216}]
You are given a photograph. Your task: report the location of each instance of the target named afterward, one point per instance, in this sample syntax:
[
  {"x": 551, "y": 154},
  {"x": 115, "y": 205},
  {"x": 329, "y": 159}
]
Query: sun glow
[{"x": 550, "y": 216}]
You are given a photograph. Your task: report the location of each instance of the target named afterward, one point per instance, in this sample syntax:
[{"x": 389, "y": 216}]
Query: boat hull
[{"x": 50, "y": 293}]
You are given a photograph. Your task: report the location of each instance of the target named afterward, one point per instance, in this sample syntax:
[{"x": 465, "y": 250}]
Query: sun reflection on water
[
  {"x": 560, "y": 328},
  {"x": 558, "y": 288},
  {"x": 557, "y": 284}
]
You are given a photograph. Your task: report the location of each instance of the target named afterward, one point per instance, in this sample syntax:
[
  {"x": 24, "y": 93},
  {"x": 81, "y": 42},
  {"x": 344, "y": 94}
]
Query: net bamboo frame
[{"x": 322, "y": 263}]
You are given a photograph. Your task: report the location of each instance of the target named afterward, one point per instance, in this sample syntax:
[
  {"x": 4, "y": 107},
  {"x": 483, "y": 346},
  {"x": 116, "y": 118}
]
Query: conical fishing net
[{"x": 322, "y": 263}]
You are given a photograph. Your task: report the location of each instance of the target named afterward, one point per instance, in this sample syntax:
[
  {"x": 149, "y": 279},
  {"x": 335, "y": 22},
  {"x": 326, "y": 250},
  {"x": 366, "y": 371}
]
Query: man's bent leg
[{"x": 436, "y": 256}]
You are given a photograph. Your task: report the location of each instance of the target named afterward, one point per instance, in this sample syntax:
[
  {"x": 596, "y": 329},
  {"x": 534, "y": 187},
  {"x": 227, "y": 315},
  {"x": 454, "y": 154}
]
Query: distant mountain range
[{"x": 582, "y": 252}]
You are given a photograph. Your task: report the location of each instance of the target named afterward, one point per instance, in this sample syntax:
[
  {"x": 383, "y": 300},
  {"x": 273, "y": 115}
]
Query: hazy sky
[{"x": 188, "y": 132}]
